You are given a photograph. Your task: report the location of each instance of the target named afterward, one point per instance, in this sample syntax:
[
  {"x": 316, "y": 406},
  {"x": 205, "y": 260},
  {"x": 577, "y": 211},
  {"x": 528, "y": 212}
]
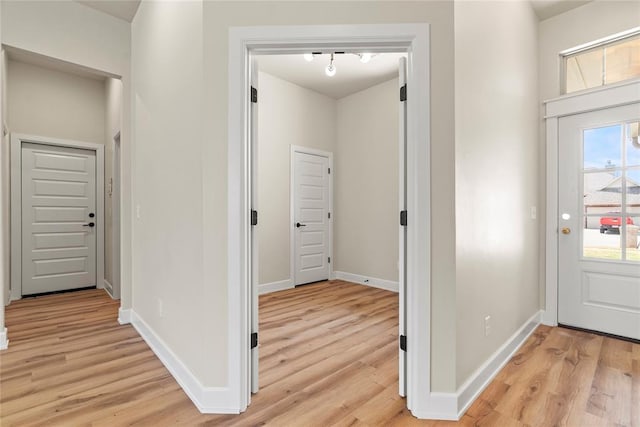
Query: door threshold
[
  {"x": 311, "y": 283},
  {"x": 604, "y": 334},
  {"x": 64, "y": 291}
]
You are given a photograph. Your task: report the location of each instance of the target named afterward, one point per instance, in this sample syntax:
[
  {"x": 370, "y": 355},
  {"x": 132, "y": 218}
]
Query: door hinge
[
  {"x": 403, "y": 218},
  {"x": 254, "y": 217},
  {"x": 254, "y": 94},
  {"x": 403, "y": 342},
  {"x": 329, "y": 215},
  {"x": 403, "y": 92},
  {"x": 329, "y": 259},
  {"x": 254, "y": 340}
]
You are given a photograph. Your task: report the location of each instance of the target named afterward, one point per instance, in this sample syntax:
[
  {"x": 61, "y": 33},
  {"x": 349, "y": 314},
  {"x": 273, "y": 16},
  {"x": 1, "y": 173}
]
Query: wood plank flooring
[{"x": 328, "y": 356}]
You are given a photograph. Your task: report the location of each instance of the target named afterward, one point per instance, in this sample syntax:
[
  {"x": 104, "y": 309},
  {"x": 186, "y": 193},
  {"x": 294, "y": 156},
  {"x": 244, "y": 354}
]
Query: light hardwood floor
[{"x": 328, "y": 357}]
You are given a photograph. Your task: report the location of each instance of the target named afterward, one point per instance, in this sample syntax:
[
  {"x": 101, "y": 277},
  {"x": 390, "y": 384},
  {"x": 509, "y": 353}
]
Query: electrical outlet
[
  {"x": 160, "y": 308},
  {"x": 487, "y": 326}
]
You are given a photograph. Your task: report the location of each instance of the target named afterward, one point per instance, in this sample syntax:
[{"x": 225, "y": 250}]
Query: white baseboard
[
  {"x": 108, "y": 287},
  {"x": 4, "y": 340},
  {"x": 275, "y": 286},
  {"x": 438, "y": 406},
  {"x": 366, "y": 280},
  {"x": 124, "y": 316},
  {"x": 480, "y": 379},
  {"x": 208, "y": 400},
  {"x": 549, "y": 319}
]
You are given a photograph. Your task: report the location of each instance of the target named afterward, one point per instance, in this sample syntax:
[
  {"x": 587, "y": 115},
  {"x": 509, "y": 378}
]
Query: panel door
[
  {"x": 599, "y": 208},
  {"x": 311, "y": 216},
  {"x": 58, "y": 208}
]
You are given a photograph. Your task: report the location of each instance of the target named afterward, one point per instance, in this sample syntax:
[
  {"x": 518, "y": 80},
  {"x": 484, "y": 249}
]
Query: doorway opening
[
  {"x": 345, "y": 151},
  {"x": 245, "y": 43},
  {"x": 64, "y": 161}
]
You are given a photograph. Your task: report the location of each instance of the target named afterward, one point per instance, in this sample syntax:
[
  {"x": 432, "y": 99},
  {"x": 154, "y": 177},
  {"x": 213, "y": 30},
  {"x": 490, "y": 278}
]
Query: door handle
[
  {"x": 91, "y": 224},
  {"x": 298, "y": 225},
  {"x": 566, "y": 230}
]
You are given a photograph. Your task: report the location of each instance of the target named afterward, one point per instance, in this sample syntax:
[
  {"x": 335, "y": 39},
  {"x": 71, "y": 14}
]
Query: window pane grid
[
  {"x": 605, "y": 64},
  {"x": 611, "y": 188}
]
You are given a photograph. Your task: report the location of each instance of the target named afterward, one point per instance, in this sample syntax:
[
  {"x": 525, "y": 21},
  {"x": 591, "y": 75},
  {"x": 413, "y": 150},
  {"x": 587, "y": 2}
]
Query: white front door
[
  {"x": 599, "y": 209},
  {"x": 58, "y": 208},
  {"x": 311, "y": 227}
]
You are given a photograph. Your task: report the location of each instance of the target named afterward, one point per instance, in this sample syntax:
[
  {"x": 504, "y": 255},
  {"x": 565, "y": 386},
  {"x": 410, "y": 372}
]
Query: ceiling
[
  {"x": 123, "y": 9},
  {"x": 351, "y": 75},
  {"x": 19, "y": 55},
  {"x": 126, "y": 9},
  {"x": 546, "y": 9}
]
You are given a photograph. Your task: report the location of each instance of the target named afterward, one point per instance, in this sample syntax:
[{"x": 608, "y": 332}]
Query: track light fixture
[{"x": 331, "y": 69}]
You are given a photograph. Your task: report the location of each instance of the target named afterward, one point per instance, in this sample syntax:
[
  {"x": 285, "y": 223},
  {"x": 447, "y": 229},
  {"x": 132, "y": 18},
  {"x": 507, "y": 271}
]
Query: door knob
[
  {"x": 566, "y": 230},
  {"x": 298, "y": 225},
  {"x": 91, "y": 224}
]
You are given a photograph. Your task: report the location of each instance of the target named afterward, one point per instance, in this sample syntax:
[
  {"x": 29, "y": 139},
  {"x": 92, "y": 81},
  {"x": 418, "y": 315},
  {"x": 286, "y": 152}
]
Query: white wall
[
  {"x": 168, "y": 235},
  {"x": 287, "y": 115},
  {"x": 366, "y": 183},
  {"x": 361, "y": 131},
  {"x": 496, "y": 175},
  {"x": 55, "y": 104},
  {"x": 585, "y": 24},
  {"x": 112, "y": 121},
  {"x": 218, "y": 17}
]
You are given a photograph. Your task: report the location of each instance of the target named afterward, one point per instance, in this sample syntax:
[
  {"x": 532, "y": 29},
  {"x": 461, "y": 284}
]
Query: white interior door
[
  {"x": 599, "y": 208},
  {"x": 402, "y": 198},
  {"x": 311, "y": 208},
  {"x": 253, "y": 259},
  {"x": 58, "y": 210}
]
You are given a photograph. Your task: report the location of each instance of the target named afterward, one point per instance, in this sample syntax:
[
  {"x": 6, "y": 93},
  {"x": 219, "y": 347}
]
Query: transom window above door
[{"x": 601, "y": 63}]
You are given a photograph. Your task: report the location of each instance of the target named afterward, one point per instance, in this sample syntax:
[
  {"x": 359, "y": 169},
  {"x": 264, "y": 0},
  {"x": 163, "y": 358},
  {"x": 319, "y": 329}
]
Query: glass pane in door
[
  {"x": 601, "y": 243},
  {"x": 632, "y": 144},
  {"x": 602, "y": 148}
]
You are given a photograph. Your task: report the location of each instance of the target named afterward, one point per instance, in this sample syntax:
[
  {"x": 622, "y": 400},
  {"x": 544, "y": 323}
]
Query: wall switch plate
[
  {"x": 534, "y": 212},
  {"x": 138, "y": 211}
]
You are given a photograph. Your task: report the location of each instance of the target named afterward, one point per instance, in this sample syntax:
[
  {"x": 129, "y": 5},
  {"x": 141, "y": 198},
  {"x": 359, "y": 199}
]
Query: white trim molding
[
  {"x": 4, "y": 340},
  {"x": 411, "y": 38},
  {"x": 469, "y": 391},
  {"x": 108, "y": 287},
  {"x": 208, "y": 400},
  {"x": 281, "y": 285},
  {"x": 580, "y": 102},
  {"x": 362, "y": 279},
  {"x": 452, "y": 406},
  {"x": 16, "y": 204},
  {"x": 124, "y": 316}
]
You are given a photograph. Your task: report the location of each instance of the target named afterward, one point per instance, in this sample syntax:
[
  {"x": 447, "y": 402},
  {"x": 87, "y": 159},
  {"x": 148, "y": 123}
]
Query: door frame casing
[
  {"x": 292, "y": 238},
  {"x": 582, "y": 102},
  {"x": 115, "y": 215},
  {"x": 16, "y": 204},
  {"x": 411, "y": 38}
]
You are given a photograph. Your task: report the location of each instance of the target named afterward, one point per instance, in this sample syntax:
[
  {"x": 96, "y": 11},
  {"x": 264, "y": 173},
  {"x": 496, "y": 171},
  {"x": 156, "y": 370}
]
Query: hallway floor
[{"x": 328, "y": 356}]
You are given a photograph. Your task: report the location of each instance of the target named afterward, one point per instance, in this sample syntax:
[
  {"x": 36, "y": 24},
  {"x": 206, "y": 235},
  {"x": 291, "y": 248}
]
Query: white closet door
[{"x": 58, "y": 208}]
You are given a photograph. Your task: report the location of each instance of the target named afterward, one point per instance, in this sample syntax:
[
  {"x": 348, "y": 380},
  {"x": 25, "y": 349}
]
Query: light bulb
[
  {"x": 365, "y": 57},
  {"x": 308, "y": 57},
  {"x": 330, "y": 70}
]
